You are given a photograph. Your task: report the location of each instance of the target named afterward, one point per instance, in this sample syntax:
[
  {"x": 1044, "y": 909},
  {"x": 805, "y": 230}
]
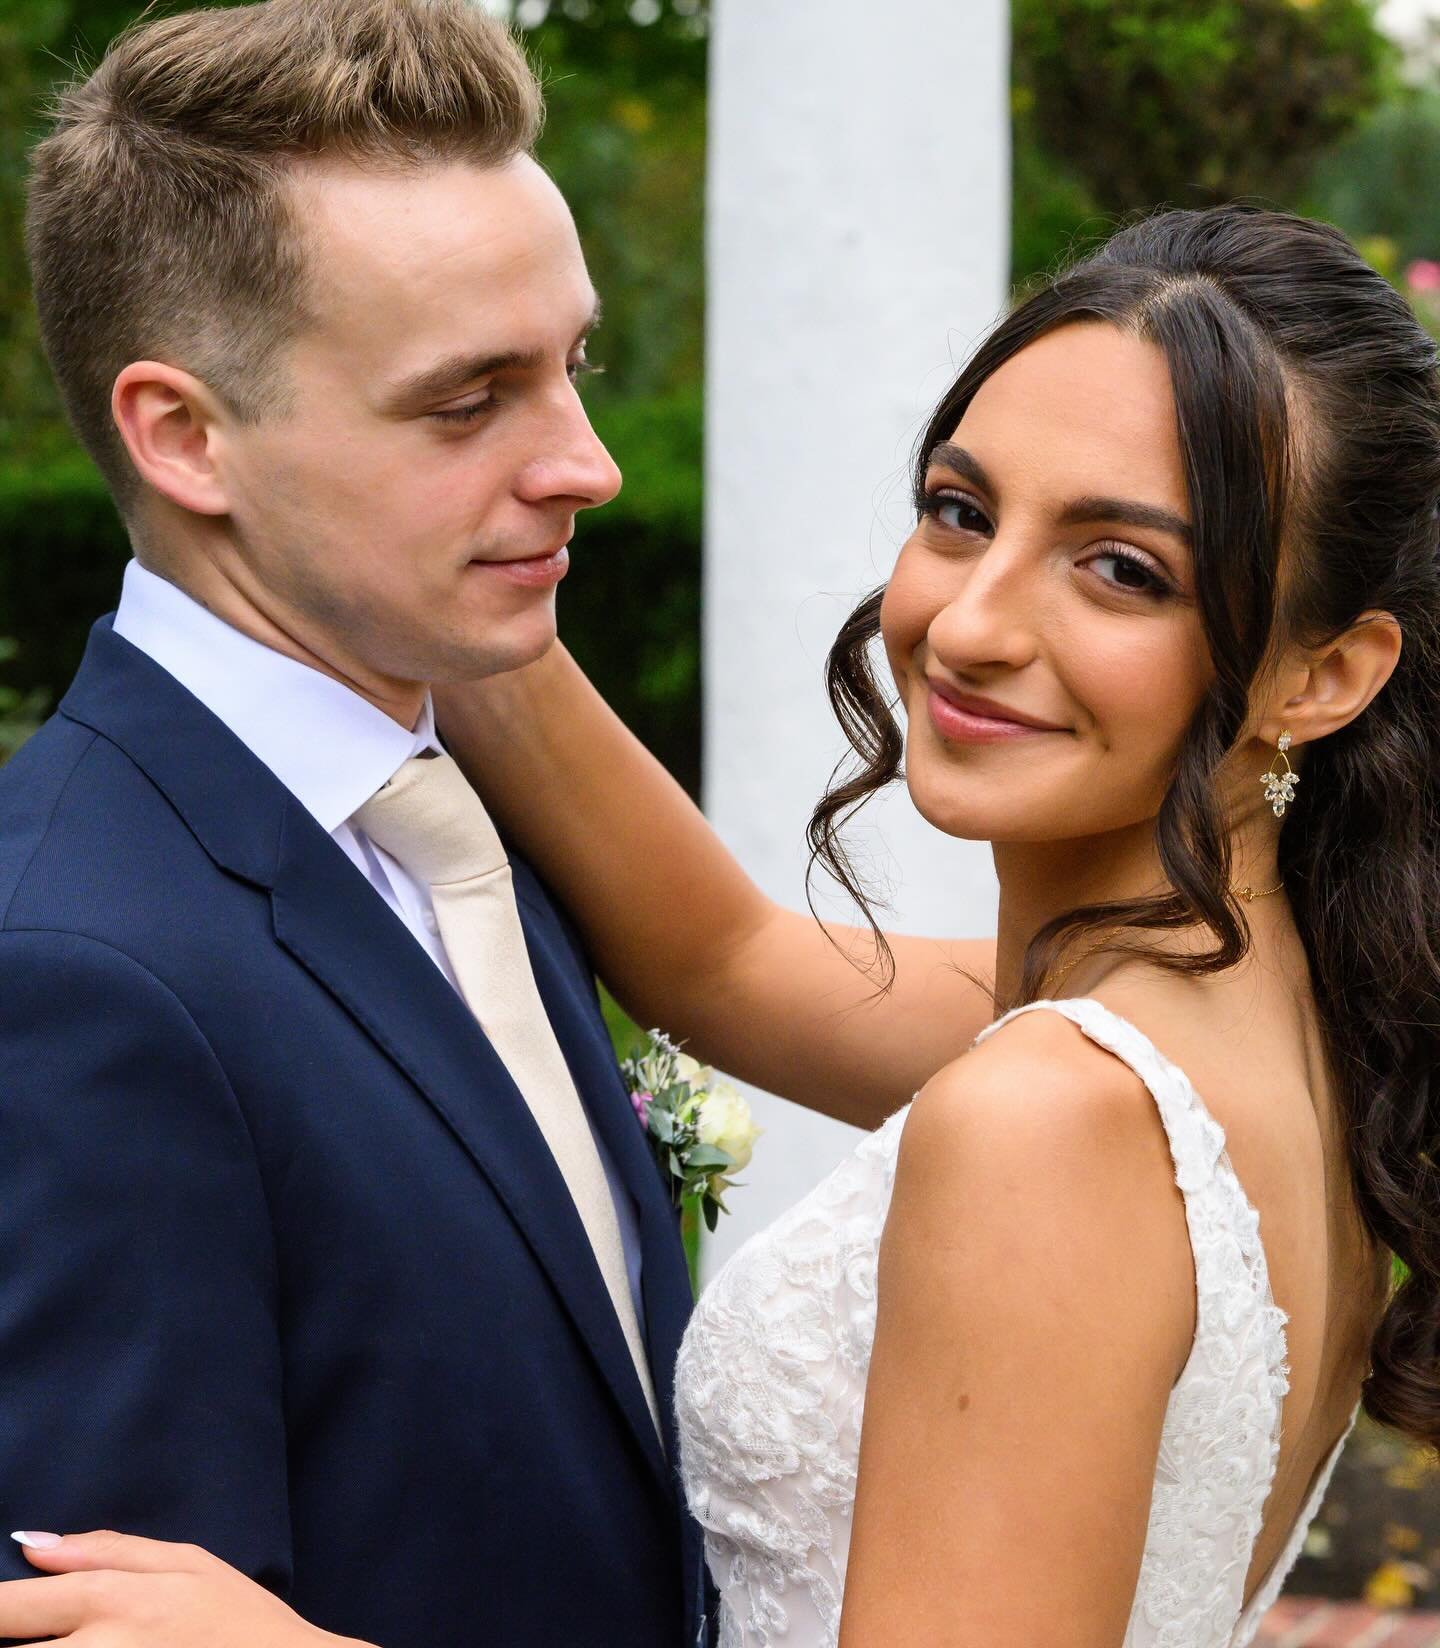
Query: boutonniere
[{"x": 698, "y": 1127}]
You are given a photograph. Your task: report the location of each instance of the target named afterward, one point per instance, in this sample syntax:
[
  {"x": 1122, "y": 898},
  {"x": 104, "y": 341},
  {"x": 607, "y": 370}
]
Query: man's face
[{"x": 406, "y": 517}]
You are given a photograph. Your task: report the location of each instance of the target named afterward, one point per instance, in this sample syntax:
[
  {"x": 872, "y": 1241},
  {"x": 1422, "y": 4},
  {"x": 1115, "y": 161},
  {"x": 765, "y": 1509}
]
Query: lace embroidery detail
[
  {"x": 773, "y": 1369},
  {"x": 770, "y": 1391},
  {"x": 1274, "y": 1582}
]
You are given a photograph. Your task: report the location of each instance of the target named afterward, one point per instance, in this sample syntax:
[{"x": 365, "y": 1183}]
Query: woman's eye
[
  {"x": 583, "y": 369},
  {"x": 958, "y": 514},
  {"x": 1128, "y": 571}
]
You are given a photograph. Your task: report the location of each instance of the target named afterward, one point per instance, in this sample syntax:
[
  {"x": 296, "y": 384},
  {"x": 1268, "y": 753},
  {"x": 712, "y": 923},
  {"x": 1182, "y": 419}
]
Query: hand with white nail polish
[
  {"x": 110, "y": 1590},
  {"x": 37, "y": 1542}
]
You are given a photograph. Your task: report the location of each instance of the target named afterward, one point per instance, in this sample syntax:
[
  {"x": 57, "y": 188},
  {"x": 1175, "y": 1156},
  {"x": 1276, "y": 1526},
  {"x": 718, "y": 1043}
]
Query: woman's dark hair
[{"x": 1308, "y": 409}]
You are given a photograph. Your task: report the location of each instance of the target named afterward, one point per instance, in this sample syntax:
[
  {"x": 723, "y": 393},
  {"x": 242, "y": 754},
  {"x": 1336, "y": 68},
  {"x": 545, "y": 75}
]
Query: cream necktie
[{"x": 430, "y": 819}]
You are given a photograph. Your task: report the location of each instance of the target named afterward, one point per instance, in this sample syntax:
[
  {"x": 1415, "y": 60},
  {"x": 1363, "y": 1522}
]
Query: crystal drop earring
[{"x": 1280, "y": 785}]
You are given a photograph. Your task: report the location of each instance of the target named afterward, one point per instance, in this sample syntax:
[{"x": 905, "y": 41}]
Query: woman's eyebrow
[
  {"x": 1084, "y": 511},
  {"x": 949, "y": 456},
  {"x": 1079, "y": 511}
]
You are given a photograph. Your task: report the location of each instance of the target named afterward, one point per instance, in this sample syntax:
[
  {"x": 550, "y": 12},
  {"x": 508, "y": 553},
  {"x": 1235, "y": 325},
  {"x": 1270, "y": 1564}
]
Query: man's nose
[{"x": 578, "y": 466}]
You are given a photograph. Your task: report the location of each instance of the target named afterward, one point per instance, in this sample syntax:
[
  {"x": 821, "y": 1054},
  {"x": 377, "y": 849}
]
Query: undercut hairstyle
[
  {"x": 161, "y": 220},
  {"x": 1308, "y": 408}
]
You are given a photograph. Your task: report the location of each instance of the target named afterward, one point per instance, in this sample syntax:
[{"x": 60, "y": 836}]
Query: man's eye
[
  {"x": 471, "y": 412},
  {"x": 583, "y": 369}
]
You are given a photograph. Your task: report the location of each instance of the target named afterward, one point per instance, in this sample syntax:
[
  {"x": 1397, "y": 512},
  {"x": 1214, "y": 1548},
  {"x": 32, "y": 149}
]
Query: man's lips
[
  {"x": 966, "y": 718},
  {"x": 532, "y": 571}
]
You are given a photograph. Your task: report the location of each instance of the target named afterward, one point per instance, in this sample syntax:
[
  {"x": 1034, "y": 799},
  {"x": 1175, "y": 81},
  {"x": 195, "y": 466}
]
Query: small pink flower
[
  {"x": 642, "y": 1103},
  {"x": 1424, "y": 275}
]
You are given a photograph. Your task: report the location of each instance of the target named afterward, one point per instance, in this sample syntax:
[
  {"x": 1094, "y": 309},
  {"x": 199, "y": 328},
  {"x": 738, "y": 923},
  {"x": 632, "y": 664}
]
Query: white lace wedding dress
[{"x": 771, "y": 1388}]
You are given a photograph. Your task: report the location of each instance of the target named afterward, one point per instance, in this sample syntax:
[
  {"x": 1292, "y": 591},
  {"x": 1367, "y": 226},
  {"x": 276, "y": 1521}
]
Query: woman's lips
[
  {"x": 535, "y": 572},
  {"x": 967, "y": 721}
]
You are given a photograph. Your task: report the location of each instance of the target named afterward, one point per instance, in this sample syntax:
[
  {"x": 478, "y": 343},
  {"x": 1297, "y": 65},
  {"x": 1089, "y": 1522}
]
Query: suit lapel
[
  {"x": 587, "y": 1049},
  {"x": 666, "y": 1279},
  {"x": 340, "y": 931}
]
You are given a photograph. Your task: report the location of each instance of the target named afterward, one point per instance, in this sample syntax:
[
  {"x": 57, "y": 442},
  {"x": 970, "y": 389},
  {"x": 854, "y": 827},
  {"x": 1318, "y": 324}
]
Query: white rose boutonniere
[
  {"x": 699, "y": 1127},
  {"x": 724, "y": 1120}
]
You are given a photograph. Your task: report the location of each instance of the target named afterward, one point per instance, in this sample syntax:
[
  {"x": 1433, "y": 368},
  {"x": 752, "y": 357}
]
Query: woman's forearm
[
  {"x": 661, "y": 901},
  {"x": 678, "y": 930}
]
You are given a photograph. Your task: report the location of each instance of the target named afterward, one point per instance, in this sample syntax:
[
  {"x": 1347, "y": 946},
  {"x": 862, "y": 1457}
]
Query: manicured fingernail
[{"x": 37, "y": 1542}]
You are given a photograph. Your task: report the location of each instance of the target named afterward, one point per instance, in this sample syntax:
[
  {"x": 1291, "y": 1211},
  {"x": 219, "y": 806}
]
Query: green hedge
[
  {"x": 64, "y": 551},
  {"x": 630, "y": 609}
]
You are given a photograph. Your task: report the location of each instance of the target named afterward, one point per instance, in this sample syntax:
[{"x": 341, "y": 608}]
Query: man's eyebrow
[
  {"x": 1080, "y": 511},
  {"x": 452, "y": 373}
]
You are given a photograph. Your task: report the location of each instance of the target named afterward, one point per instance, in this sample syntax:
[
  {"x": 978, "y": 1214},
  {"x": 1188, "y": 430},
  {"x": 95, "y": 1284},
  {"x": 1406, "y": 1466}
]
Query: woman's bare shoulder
[
  {"x": 1046, "y": 1152},
  {"x": 1035, "y": 1090}
]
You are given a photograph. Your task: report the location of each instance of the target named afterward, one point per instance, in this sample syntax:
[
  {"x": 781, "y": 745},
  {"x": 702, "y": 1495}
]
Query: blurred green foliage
[
  {"x": 625, "y": 141},
  {"x": 1124, "y": 105},
  {"x": 1119, "y": 105},
  {"x": 20, "y": 712},
  {"x": 40, "y": 42},
  {"x": 1383, "y": 180}
]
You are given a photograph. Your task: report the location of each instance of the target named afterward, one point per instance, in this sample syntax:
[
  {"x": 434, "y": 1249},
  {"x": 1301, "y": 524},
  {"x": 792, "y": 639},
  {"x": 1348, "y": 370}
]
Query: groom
[{"x": 327, "y": 1237}]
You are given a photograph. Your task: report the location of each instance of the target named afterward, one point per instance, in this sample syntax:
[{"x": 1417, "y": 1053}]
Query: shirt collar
[{"x": 331, "y": 748}]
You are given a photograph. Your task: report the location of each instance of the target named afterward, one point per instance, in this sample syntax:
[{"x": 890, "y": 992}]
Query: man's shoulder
[
  {"x": 76, "y": 812},
  {"x": 33, "y": 786}
]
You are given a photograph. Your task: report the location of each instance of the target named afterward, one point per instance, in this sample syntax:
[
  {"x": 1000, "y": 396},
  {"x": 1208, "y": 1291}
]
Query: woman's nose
[{"x": 993, "y": 616}]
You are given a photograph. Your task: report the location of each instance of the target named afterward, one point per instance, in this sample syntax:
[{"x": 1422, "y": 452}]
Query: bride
[{"x": 1106, "y": 1295}]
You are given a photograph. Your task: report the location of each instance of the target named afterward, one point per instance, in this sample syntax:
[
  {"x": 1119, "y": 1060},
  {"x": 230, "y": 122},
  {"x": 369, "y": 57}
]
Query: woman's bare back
[{"x": 1248, "y": 1042}]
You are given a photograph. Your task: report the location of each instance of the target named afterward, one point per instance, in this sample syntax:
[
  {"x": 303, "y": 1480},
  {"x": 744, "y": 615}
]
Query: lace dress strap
[{"x": 1197, "y": 1141}]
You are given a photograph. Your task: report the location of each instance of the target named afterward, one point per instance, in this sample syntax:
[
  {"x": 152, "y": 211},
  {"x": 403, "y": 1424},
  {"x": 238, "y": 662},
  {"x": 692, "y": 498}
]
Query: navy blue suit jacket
[{"x": 285, "y": 1266}]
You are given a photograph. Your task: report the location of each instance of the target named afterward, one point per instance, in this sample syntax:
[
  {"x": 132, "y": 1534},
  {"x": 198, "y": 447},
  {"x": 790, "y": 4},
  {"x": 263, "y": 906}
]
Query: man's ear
[
  {"x": 170, "y": 423},
  {"x": 1317, "y": 691}
]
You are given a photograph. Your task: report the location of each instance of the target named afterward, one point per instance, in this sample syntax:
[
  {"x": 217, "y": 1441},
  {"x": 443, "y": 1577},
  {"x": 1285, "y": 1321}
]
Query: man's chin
[{"x": 496, "y": 657}]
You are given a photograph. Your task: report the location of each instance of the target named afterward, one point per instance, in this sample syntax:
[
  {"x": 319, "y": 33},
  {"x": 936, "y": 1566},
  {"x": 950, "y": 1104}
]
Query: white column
[{"x": 859, "y": 204}]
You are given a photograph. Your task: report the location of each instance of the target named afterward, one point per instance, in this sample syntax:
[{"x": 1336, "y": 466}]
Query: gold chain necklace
[{"x": 1249, "y": 894}]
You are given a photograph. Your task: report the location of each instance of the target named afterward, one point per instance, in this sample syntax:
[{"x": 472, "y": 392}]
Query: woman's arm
[
  {"x": 678, "y": 930},
  {"x": 1036, "y": 1304}
]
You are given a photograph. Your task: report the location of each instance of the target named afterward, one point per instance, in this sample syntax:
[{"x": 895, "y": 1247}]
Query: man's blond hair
[{"x": 161, "y": 225}]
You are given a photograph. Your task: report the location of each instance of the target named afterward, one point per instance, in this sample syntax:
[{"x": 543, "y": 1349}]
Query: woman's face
[{"x": 1041, "y": 623}]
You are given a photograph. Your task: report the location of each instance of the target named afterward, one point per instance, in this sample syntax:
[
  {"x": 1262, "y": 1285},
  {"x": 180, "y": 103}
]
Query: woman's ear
[
  {"x": 1319, "y": 690},
  {"x": 170, "y": 423}
]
